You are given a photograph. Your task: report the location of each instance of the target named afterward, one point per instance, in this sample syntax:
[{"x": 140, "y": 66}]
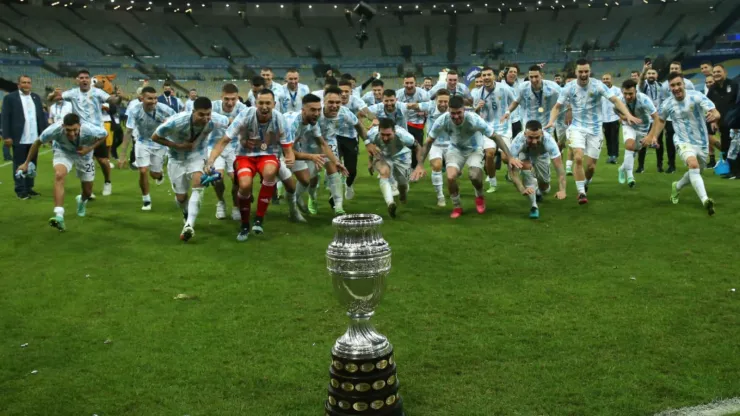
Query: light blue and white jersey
[
  {"x": 341, "y": 125},
  {"x": 369, "y": 99},
  {"x": 467, "y": 136},
  {"x": 218, "y": 108},
  {"x": 88, "y": 105},
  {"x": 355, "y": 104},
  {"x": 653, "y": 91},
  {"x": 665, "y": 91},
  {"x": 517, "y": 114},
  {"x": 252, "y": 138},
  {"x": 433, "y": 113},
  {"x": 419, "y": 96},
  {"x": 496, "y": 104},
  {"x": 293, "y": 100},
  {"x": 398, "y": 115},
  {"x": 688, "y": 118},
  {"x": 89, "y": 134},
  {"x": 180, "y": 129},
  {"x": 58, "y": 110},
  {"x": 643, "y": 109},
  {"x": 460, "y": 89},
  {"x": 546, "y": 147},
  {"x": 585, "y": 104},
  {"x": 608, "y": 115},
  {"x": 398, "y": 149},
  {"x": 278, "y": 92},
  {"x": 145, "y": 123},
  {"x": 189, "y": 105},
  {"x": 357, "y": 91},
  {"x": 304, "y": 135},
  {"x": 531, "y": 101}
]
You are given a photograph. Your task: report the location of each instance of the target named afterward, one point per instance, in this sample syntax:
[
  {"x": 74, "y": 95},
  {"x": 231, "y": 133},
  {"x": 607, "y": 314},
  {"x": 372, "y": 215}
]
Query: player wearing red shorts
[{"x": 258, "y": 134}]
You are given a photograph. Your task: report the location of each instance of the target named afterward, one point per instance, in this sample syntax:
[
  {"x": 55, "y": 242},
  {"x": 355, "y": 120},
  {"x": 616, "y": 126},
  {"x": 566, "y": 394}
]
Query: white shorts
[
  {"x": 400, "y": 169},
  {"x": 561, "y": 131},
  {"x": 581, "y": 139},
  {"x": 149, "y": 157},
  {"x": 459, "y": 159},
  {"x": 85, "y": 165},
  {"x": 225, "y": 161},
  {"x": 541, "y": 167},
  {"x": 490, "y": 144},
  {"x": 686, "y": 150},
  {"x": 438, "y": 152},
  {"x": 629, "y": 133},
  {"x": 181, "y": 173}
]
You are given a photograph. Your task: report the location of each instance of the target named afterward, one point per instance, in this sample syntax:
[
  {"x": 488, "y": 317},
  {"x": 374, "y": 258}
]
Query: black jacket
[
  {"x": 14, "y": 118},
  {"x": 723, "y": 96}
]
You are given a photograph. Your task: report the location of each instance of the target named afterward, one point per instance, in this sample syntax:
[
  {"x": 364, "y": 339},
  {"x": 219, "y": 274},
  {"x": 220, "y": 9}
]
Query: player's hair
[
  {"x": 571, "y": 75},
  {"x": 409, "y": 75},
  {"x": 82, "y": 71},
  {"x": 386, "y": 123},
  {"x": 533, "y": 125},
  {"x": 452, "y": 72},
  {"x": 265, "y": 91},
  {"x": 258, "y": 81},
  {"x": 345, "y": 83},
  {"x": 23, "y": 76},
  {"x": 346, "y": 77},
  {"x": 535, "y": 68},
  {"x": 71, "y": 119},
  {"x": 457, "y": 102},
  {"x": 377, "y": 83},
  {"x": 428, "y": 78},
  {"x": 478, "y": 75},
  {"x": 193, "y": 90},
  {"x": 266, "y": 69},
  {"x": 716, "y": 65},
  {"x": 166, "y": 84},
  {"x": 513, "y": 65},
  {"x": 148, "y": 90},
  {"x": 629, "y": 83},
  {"x": 389, "y": 93},
  {"x": 330, "y": 82},
  {"x": 676, "y": 63},
  {"x": 443, "y": 91},
  {"x": 706, "y": 63},
  {"x": 558, "y": 76},
  {"x": 332, "y": 90},
  {"x": 674, "y": 75},
  {"x": 202, "y": 103},
  {"x": 310, "y": 99},
  {"x": 230, "y": 89},
  {"x": 635, "y": 72},
  {"x": 486, "y": 68},
  {"x": 582, "y": 61},
  {"x": 708, "y": 77},
  {"x": 292, "y": 70}
]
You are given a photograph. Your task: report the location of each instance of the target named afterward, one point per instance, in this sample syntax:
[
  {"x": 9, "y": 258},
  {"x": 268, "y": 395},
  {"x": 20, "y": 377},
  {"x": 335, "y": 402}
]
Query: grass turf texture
[{"x": 492, "y": 314}]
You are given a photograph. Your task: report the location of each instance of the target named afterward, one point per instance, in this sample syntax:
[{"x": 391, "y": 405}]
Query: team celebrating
[{"x": 287, "y": 135}]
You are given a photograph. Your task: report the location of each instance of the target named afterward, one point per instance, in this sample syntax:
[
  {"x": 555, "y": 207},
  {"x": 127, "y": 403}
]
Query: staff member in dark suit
[
  {"x": 23, "y": 121},
  {"x": 723, "y": 94},
  {"x": 169, "y": 98}
]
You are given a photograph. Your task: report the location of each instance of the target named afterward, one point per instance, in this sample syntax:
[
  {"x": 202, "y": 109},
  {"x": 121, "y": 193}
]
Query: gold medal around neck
[
  {"x": 264, "y": 146},
  {"x": 540, "y": 110}
]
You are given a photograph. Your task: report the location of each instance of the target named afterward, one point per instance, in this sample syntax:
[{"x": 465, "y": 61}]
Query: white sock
[
  {"x": 312, "y": 190},
  {"x": 568, "y": 164},
  {"x": 146, "y": 198},
  {"x": 492, "y": 181},
  {"x": 698, "y": 183},
  {"x": 456, "y": 200},
  {"x": 59, "y": 211},
  {"x": 629, "y": 163},
  {"x": 685, "y": 180},
  {"x": 385, "y": 189},
  {"x": 581, "y": 186},
  {"x": 290, "y": 196},
  {"x": 335, "y": 186},
  {"x": 437, "y": 183},
  {"x": 194, "y": 205},
  {"x": 530, "y": 182}
]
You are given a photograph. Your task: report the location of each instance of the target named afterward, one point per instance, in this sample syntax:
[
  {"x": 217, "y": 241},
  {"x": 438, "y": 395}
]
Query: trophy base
[{"x": 367, "y": 387}]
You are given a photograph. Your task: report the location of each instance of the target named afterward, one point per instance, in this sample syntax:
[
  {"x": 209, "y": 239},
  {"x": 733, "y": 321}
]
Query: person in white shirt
[
  {"x": 59, "y": 109},
  {"x": 192, "y": 95},
  {"x": 610, "y": 121}
]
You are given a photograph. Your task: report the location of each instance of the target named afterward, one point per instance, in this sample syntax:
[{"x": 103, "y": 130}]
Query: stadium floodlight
[
  {"x": 282, "y": 6},
  {"x": 310, "y": 7},
  {"x": 257, "y": 6}
]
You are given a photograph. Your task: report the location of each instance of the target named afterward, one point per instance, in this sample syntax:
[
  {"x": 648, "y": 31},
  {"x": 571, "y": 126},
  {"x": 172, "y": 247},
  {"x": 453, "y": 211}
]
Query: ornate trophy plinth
[{"x": 363, "y": 369}]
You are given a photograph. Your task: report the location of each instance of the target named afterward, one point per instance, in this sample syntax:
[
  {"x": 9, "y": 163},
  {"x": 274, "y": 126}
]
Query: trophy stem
[{"x": 361, "y": 340}]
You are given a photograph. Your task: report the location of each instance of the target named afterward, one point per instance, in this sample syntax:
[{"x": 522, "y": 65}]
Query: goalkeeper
[{"x": 74, "y": 142}]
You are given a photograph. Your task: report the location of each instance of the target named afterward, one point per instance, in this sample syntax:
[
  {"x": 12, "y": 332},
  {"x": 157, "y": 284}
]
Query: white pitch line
[
  {"x": 716, "y": 408},
  {"x": 10, "y": 163}
]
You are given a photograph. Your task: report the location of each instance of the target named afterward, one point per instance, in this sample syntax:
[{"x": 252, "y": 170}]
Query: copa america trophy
[{"x": 363, "y": 369}]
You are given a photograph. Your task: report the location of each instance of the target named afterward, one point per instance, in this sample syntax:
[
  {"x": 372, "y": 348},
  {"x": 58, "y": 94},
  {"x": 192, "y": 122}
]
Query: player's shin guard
[
  {"x": 629, "y": 163},
  {"x": 194, "y": 205},
  {"x": 263, "y": 201},
  {"x": 335, "y": 185},
  {"x": 437, "y": 182},
  {"x": 698, "y": 183},
  {"x": 385, "y": 189},
  {"x": 245, "y": 206}
]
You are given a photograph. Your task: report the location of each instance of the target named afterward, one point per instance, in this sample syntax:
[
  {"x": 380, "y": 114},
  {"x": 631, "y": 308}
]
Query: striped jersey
[
  {"x": 496, "y": 104},
  {"x": 419, "y": 96},
  {"x": 89, "y": 134},
  {"x": 293, "y": 100},
  {"x": 341, "y": 125},
  {"x": 547, "y": 146},
  {"x": 397, "y": 149},
  {"x": 252, "y": 138},
  {"x": 304, "y": 135},
  {"x": 398, "y": 115},
  {"x": 530, "y": 101},
  {"x": 460, "y": 89},
  {"x": 688, "y": 117},
  {"x": 145, "y": 123},
  {"x": 88, "y": 105},
  {"x": 180, "y": 129},
  {"x": 355, "y": 104},
  {"x": 607, "y": 107},
  {"x": 369, "y": 99},
  {"x": 665, "y": 90},
  {"x": 585, "y": 104},
  {"x": 433, "y": 113},
  {"x": 643, "y": 109},
  {"x": 218, "y": 108},
  {"x": 464, "y": 137}
]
